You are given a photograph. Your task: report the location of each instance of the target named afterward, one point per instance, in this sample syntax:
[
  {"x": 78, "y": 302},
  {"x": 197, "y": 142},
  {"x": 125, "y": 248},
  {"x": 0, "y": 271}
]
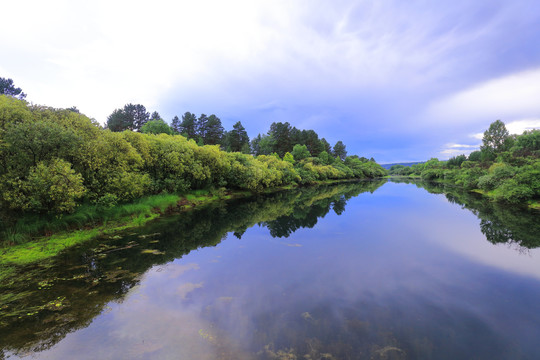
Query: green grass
[{"x": 87, "y": 223}]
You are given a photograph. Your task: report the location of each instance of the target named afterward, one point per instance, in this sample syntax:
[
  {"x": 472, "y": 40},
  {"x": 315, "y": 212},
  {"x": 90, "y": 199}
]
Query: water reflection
[
  {"x": 500, "y": 223},
  {"x": 369, "y": 282},
  {"x": 42, "y": 303}
]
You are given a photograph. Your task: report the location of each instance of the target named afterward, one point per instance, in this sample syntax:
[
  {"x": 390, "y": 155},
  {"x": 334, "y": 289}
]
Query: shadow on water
[
  {"x": 516, "y": 226},
  {"x": 42, "y": 303}
]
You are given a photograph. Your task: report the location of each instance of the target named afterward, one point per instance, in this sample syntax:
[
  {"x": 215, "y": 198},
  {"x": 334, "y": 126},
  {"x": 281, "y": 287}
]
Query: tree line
[
  {"x": 208, "y": 130},
  {"x": 52, "y": 160},
  {"x": 506, "y": 168}
]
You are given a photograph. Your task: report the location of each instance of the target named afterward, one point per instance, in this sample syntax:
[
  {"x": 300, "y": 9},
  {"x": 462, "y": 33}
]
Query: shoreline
[{"x": 46, "y": 247}]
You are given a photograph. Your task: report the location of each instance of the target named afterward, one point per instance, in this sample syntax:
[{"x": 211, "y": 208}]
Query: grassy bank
[
  {"x": 25, "y": 243},
  {"x": 22, "y": 246}
]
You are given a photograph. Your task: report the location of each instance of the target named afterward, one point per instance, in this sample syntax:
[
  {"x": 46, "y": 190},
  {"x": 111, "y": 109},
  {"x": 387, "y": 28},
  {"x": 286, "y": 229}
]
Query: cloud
[
  {"x": 510, "y": 97},
  {"x": 453, "y": 149}
]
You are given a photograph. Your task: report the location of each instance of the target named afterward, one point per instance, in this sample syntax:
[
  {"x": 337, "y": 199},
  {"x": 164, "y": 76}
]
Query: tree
[
  {"x": 237, "y": 137},
  {"x": 300, "y": 152},
  {"x": 155, "y": 116},
  {"x": 138, "y": 115},
  {"x": 8, "y": 88},
  {"x": 326, "y": 146},
  {"x": 156, "y": 127},
  {"x": 214, "y": 131},
  {"x": 495, "y": 138},
  {"x": 119, "y": 121},
  {"x": 262, "y": 145},
  {"x": 325, "y": 158},
  {"x": 475, "y": 156},
  {"x": 281, "y": 136},
  {"x": 131, "y": 117},
  {"x": 339, "y": 150},
  {"x": 188, "y": 126},
  {"x": 175, "y": 124},
  {"x": 311, "y": 140},
  {"x": 200, "y": 126}
]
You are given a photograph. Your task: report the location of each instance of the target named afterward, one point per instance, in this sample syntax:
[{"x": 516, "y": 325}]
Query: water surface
[{"x": 358, "y": 271}]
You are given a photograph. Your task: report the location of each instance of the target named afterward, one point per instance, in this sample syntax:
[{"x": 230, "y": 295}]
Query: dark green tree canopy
[
  {"x": 131, "y": 117},
  {"x": 175, "y": 125},
  {"x": 237, "y": 138},
  {"x": 326, "y": 146},
  {"x": 281, "y": 136},
  {"x": 8, "y": 88},
  {"x": 188, "y": 126},
  {"x": 339, "y": 150},
  {"x": 213, "y": 133}
]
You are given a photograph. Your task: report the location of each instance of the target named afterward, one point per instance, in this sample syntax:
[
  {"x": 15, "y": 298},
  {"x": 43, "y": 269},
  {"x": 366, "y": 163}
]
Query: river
[{"x": 369, "y": 270}]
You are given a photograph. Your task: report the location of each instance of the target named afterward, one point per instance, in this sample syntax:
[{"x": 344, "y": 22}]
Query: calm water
[{"x": 358, "y": 271}]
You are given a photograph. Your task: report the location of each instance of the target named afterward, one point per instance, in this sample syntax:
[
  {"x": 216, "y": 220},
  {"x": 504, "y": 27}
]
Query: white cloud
[
  {"x": 453, "y": 149},
  {"x": 510, "y": 97},
  {"x": 103, "y": 54},
  {"x": 519, "y": 126}
]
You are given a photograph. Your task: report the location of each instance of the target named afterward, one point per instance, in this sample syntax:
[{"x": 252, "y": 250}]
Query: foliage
[
  {"x": 339, "y": 150},
  {"x": 495, "y": 138},
  {"x": 300, "y": 152},
  {"x": 131, "y": 117},
  {"x": 507, "y": 169},
  {"x": 52, "y": 160},
  {"x": 157, "y": 126},
  {"x": 50, "y": 187}
]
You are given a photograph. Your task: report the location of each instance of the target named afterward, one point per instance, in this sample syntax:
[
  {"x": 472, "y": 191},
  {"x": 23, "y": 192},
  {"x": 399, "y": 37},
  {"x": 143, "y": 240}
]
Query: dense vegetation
[
  {"x": 54, "y": 160},
  {"x": 506, "y": 168}
]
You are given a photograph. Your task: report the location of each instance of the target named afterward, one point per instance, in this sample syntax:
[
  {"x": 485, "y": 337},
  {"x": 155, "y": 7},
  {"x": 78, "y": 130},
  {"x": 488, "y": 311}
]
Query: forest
[
  {"x": 505, "y": 169},
  {"x": 54, "y": 160}
]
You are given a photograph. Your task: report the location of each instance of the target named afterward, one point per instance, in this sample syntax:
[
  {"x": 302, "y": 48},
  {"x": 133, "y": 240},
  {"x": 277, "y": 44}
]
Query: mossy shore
[{"x": 89, "y": 222}]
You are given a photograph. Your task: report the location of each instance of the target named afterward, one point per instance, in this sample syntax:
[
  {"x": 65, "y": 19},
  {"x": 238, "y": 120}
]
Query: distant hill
[{"x": 388, "y": 166}]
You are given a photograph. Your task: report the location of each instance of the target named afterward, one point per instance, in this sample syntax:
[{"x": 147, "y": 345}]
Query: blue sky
[{"x": 399, "y": 81}]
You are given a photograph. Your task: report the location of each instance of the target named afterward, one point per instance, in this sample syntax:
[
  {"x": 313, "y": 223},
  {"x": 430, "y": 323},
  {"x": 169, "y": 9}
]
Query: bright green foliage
[
  {"x": 52, "y": 160},
  {"x": 51, "y": 187},
  {"x": 326, "y": 158},
  {"x": 300, "y": 152},
  {"x": 507, "y": 169},
  {"x": 288, "y": 157},
  {"x": 157, "y": 126}
]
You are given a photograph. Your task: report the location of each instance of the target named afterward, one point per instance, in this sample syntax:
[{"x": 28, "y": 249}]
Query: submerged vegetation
[
  {"x": 506, "y": 169},
  {"x": 65, "y": 169}
]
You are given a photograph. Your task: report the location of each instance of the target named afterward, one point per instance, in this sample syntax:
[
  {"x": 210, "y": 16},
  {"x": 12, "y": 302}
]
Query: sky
[{"x": 394, "y": 80}]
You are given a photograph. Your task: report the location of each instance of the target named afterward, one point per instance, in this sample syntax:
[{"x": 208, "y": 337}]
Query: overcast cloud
[{"x": 399, "y": 81}]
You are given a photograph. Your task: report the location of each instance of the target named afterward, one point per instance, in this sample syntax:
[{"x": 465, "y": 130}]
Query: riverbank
[{"x": 89, "y": 222}]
